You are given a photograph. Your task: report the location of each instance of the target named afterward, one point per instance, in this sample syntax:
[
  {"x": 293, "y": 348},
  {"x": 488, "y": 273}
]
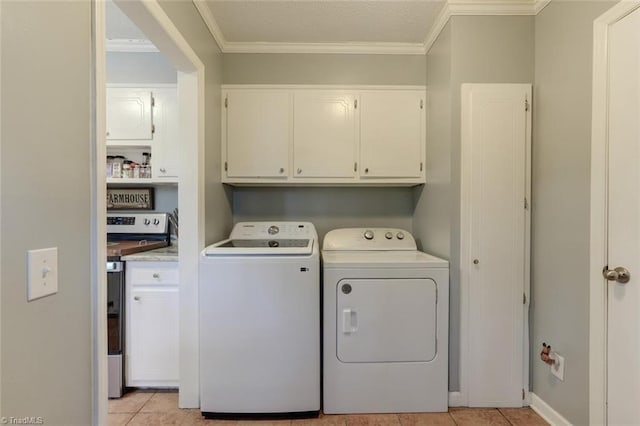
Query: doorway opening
[{"x": 151, "y": 19}]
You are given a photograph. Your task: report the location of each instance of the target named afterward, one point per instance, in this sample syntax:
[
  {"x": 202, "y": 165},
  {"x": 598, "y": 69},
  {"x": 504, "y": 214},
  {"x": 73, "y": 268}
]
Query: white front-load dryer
[{"x": 385, "y": 331}]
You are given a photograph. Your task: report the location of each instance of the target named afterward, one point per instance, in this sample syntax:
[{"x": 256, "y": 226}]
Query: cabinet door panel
[
  {"x": 165, "y": 154},
  {"x": 258, "y": 130},
  {"x": 392, "y": 133},
  {"x": 153, "y": 343},
  {"x": 325, "y": 134},
  {"x": 129, "y": 114}
]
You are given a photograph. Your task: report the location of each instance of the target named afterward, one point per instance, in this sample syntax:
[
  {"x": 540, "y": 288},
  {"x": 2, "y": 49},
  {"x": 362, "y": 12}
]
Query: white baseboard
[
  {"x": 545, "y": 411},
  {"x": 456, "y": 399}
]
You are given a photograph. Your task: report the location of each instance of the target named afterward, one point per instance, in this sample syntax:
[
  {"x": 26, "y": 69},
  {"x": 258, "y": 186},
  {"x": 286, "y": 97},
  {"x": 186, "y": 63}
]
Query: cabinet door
[
  {"x": 392, "y": 134},
  {"x": 129, "y": 115},
  {"x": 153, "y": 345},
  {"x": 165, "y": 152},
  {"x": 258, "y": 131},
  {"x": 325, "y": 134}
]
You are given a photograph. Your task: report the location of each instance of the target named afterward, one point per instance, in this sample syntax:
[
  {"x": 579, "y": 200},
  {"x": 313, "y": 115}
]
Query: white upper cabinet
[
  {"x": 165, "y": 158},
  {"x": 322, "y": 135},
  {"x": 129, "y": 114},
  {"x": 258, "y": 133},
  {"x": 392, "y": 134},
  {"x": 325, "y": 134}
]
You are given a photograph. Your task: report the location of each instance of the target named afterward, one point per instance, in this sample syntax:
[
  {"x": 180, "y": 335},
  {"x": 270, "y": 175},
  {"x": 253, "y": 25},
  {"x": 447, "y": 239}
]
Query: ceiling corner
[{"x": 211, "y": 23}]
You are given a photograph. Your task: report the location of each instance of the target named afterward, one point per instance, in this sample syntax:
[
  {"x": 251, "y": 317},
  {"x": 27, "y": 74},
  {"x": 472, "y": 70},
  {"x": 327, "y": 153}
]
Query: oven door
[{"x": 115, "y": 327}]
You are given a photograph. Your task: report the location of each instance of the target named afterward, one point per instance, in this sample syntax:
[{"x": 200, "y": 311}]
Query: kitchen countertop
[{"x": 164, "y": 254}]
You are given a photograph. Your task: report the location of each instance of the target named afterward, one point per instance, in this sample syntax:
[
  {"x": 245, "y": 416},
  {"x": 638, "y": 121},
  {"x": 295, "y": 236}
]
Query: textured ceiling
[{"x": 328, "y": 21}]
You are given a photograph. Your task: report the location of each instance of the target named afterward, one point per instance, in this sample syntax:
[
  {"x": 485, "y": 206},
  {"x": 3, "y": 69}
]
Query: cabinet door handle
[
  {"x": 366, "y": 170},
  {"x": 299, "y": 171},
  {"x": 281, "y": 170},
  {"x": 156, "y": 275},
  {"x": 136, "y": 298},
  {"x": 163, "y": 170}
]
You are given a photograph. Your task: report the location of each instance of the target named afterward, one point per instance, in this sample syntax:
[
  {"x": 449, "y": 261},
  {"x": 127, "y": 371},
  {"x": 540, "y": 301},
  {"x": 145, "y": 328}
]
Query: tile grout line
[{"x": 139, "y": 409}]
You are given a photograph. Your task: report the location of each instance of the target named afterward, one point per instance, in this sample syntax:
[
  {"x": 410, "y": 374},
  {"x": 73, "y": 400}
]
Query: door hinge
[
  {"x": 355, "y": 167},
  {"x": 524, "y": 299},
  {"x": 355, "y": 103},
  {"x": 153, "y": 101},
  {"x": 226, "y": 101},
  {"x": 226, "y": 166},
  {"x": 523, "y": 394},
  {"x": 421, "y": 166},
  {"x": 421, "y": 104},
  {"x": 526, "y": 203},
  {"x": 153, "y": 129},
  {"x": 526, "y": 104}
]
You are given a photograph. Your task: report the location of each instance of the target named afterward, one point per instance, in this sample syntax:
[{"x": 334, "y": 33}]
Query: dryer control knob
[
  {"x": 400, "y": 236},
  {"x": 368, "y": 234},
  {"x": 388, "y": 235}
]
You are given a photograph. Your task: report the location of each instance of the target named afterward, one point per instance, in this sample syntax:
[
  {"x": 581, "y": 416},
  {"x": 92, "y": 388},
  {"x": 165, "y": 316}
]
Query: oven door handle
[{"x": 114, "y": 266}]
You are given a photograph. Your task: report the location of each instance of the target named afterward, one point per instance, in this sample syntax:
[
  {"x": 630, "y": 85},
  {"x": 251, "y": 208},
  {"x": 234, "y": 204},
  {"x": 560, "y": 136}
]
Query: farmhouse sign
[{"x": 130, "y": 198}]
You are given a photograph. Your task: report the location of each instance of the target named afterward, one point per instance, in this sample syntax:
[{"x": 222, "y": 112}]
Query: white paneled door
[
  {"x": 494, "y": 262},
  {"x": 623, "y": 330}
]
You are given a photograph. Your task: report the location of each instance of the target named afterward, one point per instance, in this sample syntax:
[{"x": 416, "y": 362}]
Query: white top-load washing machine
[
  {"x": 385, "y": 324},
  {"x": 260, "y": 322}
]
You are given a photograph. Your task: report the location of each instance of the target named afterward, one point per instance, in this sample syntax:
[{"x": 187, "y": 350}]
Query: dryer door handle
[{"x": 349, "y": 321}]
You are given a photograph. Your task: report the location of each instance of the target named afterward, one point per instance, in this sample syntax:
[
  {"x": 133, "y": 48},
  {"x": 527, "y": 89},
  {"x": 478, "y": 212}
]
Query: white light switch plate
[
  {"x": 42, "y": 273},
  {"x": 557, "y": 369}
]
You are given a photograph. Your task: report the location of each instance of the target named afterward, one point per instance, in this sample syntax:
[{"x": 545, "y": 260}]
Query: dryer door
[{"x": 386, "y": 320}]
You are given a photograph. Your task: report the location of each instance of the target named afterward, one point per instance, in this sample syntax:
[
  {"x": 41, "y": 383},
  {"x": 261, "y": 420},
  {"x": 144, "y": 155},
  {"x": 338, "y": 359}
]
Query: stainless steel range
[{"x": 127, "y": 233}]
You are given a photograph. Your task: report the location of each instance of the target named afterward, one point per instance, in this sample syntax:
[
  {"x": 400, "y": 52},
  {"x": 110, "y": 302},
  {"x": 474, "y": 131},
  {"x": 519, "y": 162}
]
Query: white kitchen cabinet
[
  {"x": 392, "y": 134},
  {"x": 129, "y": 115},
  {"x": 257, "y": 133},
  {"x": 152, "y": 316},
  {"x": 325, "y": 134},
  {"x": 165, "y": 150},
  {"x": 155, "y": 108}
]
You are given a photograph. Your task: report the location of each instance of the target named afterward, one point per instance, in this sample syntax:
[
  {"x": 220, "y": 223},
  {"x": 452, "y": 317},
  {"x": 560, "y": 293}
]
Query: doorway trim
[
  {"x": 598, "y": 234},
  {"x": 156, "y": 24}
]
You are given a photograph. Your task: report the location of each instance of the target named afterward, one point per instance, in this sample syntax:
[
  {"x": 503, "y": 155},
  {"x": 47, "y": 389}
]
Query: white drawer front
[{"x": 153, "y": 274}]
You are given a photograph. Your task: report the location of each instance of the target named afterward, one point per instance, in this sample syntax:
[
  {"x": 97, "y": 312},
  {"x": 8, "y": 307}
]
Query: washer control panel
[
  {"x": 271, "y": 230},
  {"x": 369, "y": 239}
]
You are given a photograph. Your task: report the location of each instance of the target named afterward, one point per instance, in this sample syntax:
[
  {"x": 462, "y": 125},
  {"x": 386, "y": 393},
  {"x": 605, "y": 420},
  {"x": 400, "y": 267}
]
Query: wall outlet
[
  {"x": 557, "y": 368},
  {"x": 42, "y": 273}
]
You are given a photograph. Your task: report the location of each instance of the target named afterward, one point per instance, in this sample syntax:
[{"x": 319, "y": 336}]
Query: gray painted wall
[
  {"x": 476, "y": 49},
  {"x": 561, "y": 196},
  {"x": 326, "y": 208},
  {"x": 46, "y": 202},
  {"x": 185, "y": 16},
  {"x": 266, "y": 68},
  {"x": 138, "y": 67}
]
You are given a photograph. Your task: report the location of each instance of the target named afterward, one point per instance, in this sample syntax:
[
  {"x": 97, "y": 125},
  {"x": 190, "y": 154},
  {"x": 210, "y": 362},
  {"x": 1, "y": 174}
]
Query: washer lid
[
  {"x": 278, "y": 247},
  {"x": 381, "y": 259}
]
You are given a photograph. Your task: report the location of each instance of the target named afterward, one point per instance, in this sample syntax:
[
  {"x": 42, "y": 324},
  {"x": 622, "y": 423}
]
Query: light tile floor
[{"x": 161, "y": 408}]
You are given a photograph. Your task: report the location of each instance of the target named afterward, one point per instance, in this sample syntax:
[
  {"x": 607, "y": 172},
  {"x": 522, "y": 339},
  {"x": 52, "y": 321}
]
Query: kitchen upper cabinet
[
  {"x": 152, "y": 333},
  {"x": 129, "y": 114},
  {"x": 325, "y": 134},
  {"x": 322, "y": 135},
  {"x": 392, "y": 134},
  {"x": 257, "y": 133},
  {"x": 165, "y": 154},
  {"x": 145, "y": 119}
]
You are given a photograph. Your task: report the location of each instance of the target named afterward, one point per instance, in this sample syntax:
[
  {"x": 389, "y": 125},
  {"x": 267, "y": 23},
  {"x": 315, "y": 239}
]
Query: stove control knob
[
  {"x": 156, "y": 222},
  {"x": 388, "y": 235},
  {"x": 368, "y": 234},
  {"x": 147, "y": 222},
  {"x": 273, "y": 230},
  {"x": 400, "y": 236}
]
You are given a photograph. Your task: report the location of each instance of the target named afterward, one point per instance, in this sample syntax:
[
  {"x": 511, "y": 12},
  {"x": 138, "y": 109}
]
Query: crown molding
[
  {"x": 449, "y": 9},
  {"x": 343, "y": 48},
  {"x": 130, "y": 46},
  {"x": 211, "y": 23}
]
